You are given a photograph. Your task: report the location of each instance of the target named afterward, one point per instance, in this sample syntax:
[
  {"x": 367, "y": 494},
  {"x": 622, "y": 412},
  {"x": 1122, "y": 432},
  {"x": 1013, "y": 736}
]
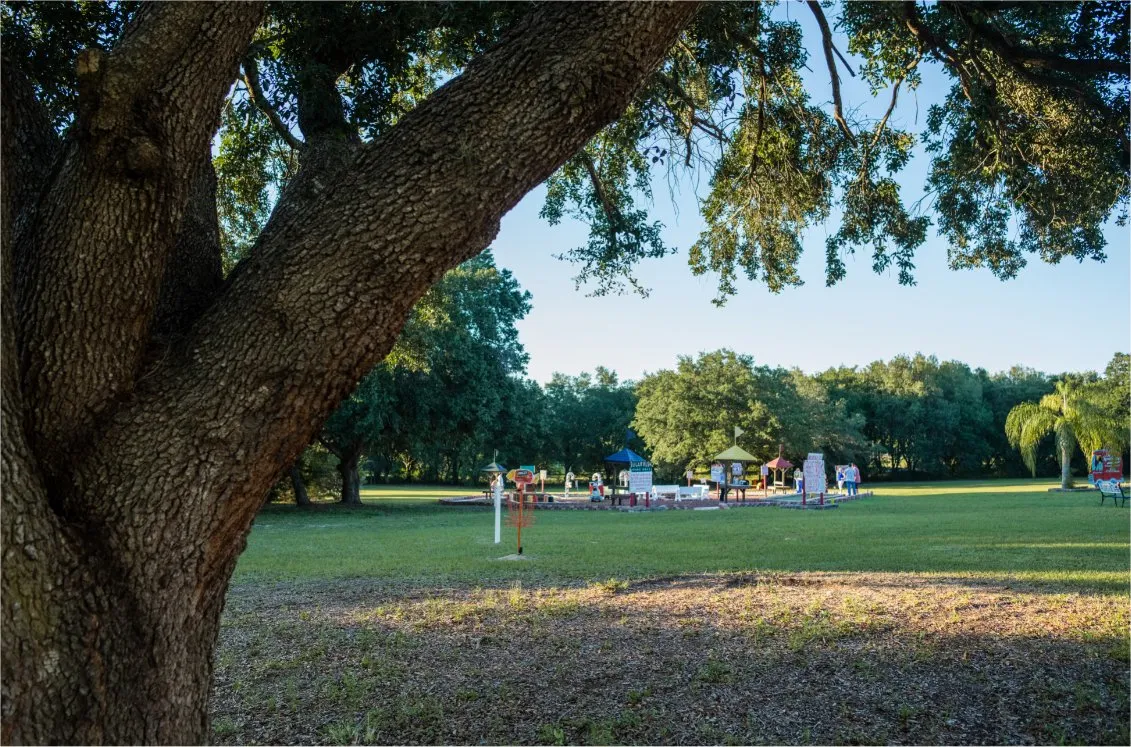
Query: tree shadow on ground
[{"x": 728, "y": 658}]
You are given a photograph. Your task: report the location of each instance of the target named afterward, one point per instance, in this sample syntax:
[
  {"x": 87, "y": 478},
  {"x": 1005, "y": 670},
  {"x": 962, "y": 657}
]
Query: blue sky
[{"x": 1045, "y": 318}]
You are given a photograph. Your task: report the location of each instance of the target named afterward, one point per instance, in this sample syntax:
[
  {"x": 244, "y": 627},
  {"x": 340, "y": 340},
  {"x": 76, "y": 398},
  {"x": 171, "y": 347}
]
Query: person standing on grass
[{"x": 850, "y": 479}]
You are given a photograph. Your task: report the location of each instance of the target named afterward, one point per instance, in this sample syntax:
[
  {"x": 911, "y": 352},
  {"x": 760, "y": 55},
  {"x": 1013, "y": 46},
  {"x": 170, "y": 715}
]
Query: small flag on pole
[{"x": 738, "y": 432}]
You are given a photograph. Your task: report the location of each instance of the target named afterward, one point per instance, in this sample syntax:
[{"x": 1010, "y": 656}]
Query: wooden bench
[{"x": 1113, "y": 490}]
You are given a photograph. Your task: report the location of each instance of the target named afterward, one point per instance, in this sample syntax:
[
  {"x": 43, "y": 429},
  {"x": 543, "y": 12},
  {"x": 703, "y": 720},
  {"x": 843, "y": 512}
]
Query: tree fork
[
  {"x": 351, "y": 246},
  {"x": 193, "y": 276},
  {"x": 146, "y": 111}
]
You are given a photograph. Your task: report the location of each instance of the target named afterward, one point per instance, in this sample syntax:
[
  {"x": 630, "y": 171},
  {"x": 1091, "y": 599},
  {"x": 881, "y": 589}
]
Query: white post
[{"x": 498, "y": 509}]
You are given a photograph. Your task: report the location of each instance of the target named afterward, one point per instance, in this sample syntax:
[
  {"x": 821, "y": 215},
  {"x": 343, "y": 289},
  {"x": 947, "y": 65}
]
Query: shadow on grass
[{"x": 761, "y": 658}]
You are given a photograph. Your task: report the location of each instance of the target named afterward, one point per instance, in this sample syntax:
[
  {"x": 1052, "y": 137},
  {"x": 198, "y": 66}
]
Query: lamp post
[{"x": 494, "y": 469}]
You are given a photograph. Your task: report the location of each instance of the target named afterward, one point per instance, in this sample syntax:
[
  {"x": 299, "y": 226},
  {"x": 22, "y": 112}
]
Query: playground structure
[
  {"x": 734, "y": 461},
  {"x": 660, "y": 502},
  {"x": 617, "y": 463},
  {"x": 631, "y": 487},
  {"x": 778, "y": 466}
]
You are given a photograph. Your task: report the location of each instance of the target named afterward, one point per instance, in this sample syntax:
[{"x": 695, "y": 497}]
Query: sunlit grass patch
[{"x": 993, "y": 531}]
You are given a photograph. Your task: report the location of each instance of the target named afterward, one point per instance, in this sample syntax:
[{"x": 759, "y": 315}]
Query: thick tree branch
[
  {"x": 147, "y": 110},
  {"x": 259, "y": 98},
  {"x": 30, "y": 147},
  {"x": 1018, "y": 54},
  {"x": 937, "y": 46},
  {"x": 339, "y": 265},
  {"x": 193, "y": 274},
  {"x": 321, "y": 113},
  {"x": 36, "y": 551},
  {"x": 611, "y": 212},
  {"x": 827, "y": 44}
]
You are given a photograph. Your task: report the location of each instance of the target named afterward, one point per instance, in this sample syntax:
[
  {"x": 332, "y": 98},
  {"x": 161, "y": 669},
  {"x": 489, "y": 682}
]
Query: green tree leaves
[
  {"x": 1029, "y": 149},
  {"x": 1073, "y": 416},
  {"x": 588, "y": 416},
  {"x": 440, "y": 396},
  {"x": 686, "y": 416}
]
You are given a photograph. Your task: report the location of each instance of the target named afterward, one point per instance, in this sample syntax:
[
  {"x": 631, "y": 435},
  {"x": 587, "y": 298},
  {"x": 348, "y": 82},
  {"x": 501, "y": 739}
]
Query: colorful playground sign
[
  {"x": 1106, "y": 467},
  {"x": 718, "y": 473},
  {"x": 521, "y": 476}
]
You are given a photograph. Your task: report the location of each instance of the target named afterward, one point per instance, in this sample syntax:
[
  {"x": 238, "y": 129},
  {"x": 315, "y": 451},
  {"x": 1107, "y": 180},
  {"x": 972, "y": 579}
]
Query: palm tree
[{"x": 1072, "y": 417}]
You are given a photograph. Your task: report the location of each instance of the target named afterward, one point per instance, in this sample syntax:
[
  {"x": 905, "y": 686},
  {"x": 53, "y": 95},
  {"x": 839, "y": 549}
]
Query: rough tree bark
[
  {"x": 130, "y": 480},
  {"x": 193, "y": 276}
]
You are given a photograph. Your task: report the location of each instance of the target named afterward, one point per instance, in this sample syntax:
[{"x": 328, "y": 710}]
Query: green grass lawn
[
  {"x": 971, "y": 613},
  {"x": 994, "y": 530}
]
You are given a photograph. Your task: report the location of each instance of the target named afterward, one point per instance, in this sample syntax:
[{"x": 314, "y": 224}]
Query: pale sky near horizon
[{"x": 1046, "y": 318}]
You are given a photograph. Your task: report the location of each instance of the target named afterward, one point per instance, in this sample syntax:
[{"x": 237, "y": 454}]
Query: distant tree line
[
  {"x": 453, "y": 396},
  {"x": 913, "y": 417}
]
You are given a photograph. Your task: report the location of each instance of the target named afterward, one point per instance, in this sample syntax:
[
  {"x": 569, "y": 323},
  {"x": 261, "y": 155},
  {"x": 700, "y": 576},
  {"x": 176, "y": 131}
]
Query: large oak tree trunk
[{"x": 130, "y": 479}]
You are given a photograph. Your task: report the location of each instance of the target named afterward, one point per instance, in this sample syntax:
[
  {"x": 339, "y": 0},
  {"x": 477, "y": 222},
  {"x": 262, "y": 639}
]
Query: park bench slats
[{"x": 1113, "y": 490}]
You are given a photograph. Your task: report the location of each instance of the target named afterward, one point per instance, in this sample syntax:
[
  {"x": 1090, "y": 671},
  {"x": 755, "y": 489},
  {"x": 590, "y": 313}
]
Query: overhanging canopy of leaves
[{"x": 1029, "y": 149}]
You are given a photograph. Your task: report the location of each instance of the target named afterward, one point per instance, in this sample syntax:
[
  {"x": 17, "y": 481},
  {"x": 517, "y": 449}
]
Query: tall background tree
[
  {"x": 434, "y": 402},
  {"x": 133, "y": 369},
  {"x": 688, "y": 415},
  {"x": 1073, "y": 417},
  {"x": 588, "y": 418}
]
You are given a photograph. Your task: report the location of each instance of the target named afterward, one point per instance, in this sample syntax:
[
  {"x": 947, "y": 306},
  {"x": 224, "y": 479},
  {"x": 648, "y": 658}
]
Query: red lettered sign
[
  {"x": 521, "y": 477},
  {"x": 1106, "y": 466}
]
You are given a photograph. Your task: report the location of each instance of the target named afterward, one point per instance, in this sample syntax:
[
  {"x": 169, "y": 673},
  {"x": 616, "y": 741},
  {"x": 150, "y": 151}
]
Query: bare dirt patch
[{"x": 720, "y": 659}]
